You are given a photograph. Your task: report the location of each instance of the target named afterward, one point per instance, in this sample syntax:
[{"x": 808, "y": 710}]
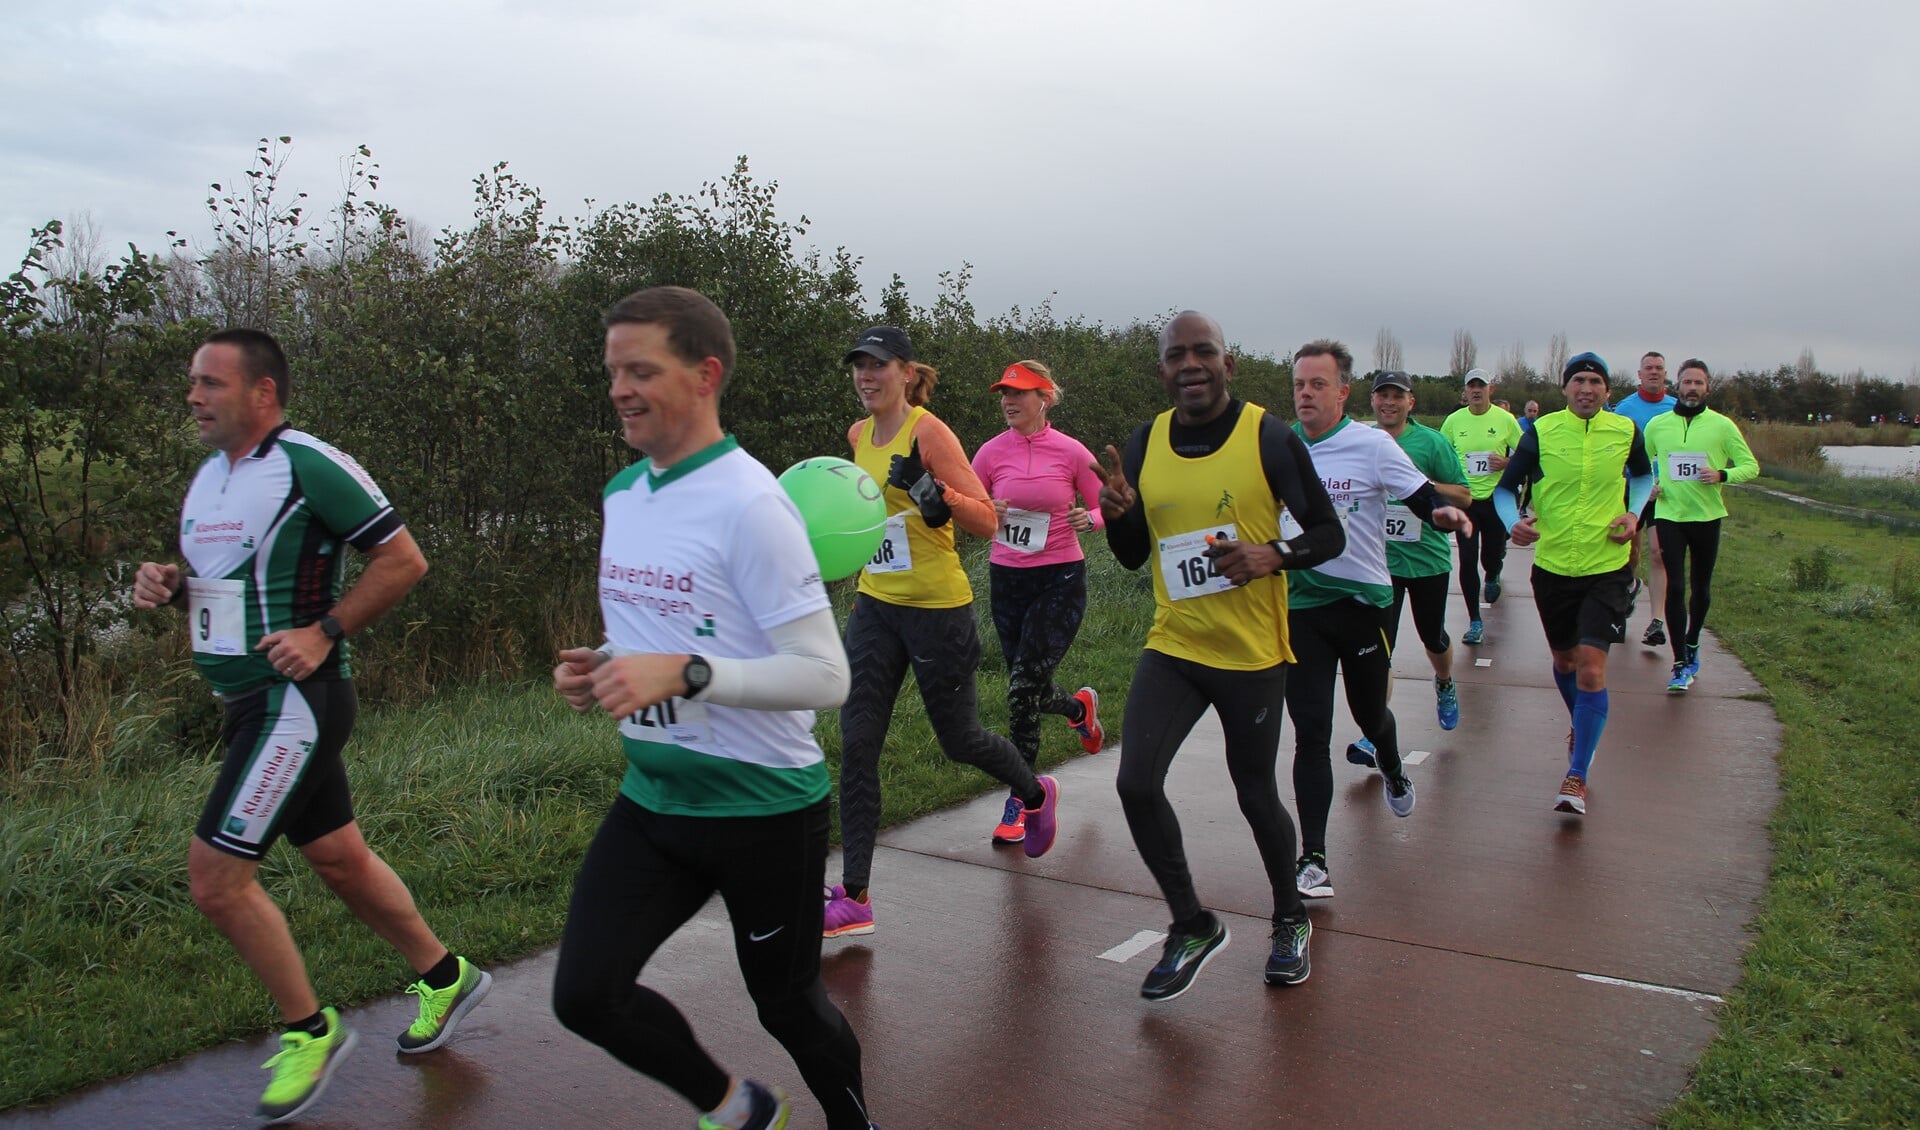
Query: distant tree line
[{"x": 464, "y": 370}]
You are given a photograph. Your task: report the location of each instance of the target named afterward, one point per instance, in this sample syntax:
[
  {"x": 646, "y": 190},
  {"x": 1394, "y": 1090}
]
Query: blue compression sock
[
  {"x": 1568, "y": 682},
  {"x": 1589, "y": 719}
]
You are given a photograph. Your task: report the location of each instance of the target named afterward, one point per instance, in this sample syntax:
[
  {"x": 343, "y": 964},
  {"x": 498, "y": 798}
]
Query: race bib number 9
[
  {"x": 1024, "y": 531},
  {"x": 1186, "y": 568},
  {"x": 894, "y": 554},
  {"x": 1686, "y": 466},
  {"x": 1401, "y": 524},
  {"x": 217, "y": 611},
  {"x": 1480, "y": 462},
  {"x": 673, "y": 722}
]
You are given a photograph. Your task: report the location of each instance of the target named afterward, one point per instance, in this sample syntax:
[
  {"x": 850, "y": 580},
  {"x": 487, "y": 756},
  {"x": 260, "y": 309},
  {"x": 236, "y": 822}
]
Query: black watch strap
[
  {"x": 330, "y": 628},
  {"x": 697, "y": 674}
]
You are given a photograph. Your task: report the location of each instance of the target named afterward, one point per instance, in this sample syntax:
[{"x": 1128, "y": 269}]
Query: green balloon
[{"x": 843, "y": 509}]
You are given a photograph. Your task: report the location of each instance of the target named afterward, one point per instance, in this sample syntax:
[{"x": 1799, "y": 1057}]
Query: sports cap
[
  {"x": 1018, "y": 378},
  {"x": 1392, "y": 378},
  {"x": 888, "y": 343},
  {"x": 1585, "y": 363},
  {"x": 1480, "y": 375}
]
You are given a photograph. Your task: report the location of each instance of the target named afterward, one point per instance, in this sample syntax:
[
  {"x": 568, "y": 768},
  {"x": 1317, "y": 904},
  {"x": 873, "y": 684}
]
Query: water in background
[{"x": 1864, "y": 460}]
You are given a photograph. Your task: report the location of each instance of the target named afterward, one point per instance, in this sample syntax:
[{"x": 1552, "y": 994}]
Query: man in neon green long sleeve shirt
[{"x": 1694, "y": 451}]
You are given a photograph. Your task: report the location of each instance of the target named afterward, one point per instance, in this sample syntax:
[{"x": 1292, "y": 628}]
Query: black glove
[{"x": 910, "y": 475}]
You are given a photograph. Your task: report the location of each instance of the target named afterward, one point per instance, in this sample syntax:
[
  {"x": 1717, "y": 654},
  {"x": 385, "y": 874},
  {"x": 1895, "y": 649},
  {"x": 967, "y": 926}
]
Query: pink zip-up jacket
[{"x": 1040, "y": 472}]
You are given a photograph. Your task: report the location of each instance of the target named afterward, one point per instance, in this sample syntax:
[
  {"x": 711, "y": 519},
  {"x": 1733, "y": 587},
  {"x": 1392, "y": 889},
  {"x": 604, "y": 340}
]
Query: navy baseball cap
[
  {"x": 1392, "y": 378},
  {"x": 888, "y": 343}
]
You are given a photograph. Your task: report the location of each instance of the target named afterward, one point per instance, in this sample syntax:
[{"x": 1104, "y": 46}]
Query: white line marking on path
[
  {"x": 1483, "y": 663},
  {"x": 1416, "y": 757},
  {"x": 1684, "y": 994},
  {"x": 1126, "y": 951}
]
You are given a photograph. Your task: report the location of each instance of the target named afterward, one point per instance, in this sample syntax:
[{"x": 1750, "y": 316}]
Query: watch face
[{"x": 698, "y": 674}]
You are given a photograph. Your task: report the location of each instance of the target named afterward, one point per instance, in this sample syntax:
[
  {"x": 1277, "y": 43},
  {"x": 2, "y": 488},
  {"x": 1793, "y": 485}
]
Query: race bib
[
  {"x": 1290, "y": 529},
  {"x": 1024, "y": 531},
  {"x": 1686, "y": 466},
  {"x": 1186, "y": 568},
  {"x": 1401, "y": 524},
  {"x": 894, "y": 554},
  {"x": 218, "y": 612},
  {"x": 1480, "y": 462},
  {"x": 673, "y": 722}
]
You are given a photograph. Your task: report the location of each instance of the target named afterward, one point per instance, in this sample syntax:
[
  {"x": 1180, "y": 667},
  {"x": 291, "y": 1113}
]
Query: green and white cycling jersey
[
  {"x": 262, "y": 537},
  {"x": 1362, "y": 468},
  {"x": 704, "y": 559}
]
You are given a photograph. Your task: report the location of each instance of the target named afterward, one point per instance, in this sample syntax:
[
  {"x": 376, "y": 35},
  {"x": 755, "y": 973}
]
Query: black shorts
[
  {"x": 1428, "y": 595},
  {"x": 283, "y": 774},
  {"x": 1589, "y": 610}
]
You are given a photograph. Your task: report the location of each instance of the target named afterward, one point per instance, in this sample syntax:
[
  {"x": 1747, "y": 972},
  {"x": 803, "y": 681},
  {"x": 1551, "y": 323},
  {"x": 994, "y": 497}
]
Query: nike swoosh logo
[{"x": 763, "y": 937}]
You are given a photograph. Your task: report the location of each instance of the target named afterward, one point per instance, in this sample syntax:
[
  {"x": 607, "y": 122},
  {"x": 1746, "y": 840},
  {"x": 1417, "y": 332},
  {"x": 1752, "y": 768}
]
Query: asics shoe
[
  {"x": 1287, "y": 962},
  {"x": 1088, "y": 728},
  {"x": 1182, "y": 959},
  {"x": 1399, "y": 793},
  {"x": 1476, "y": 633},
  {"x": 1446, "y": 702},
  {"x": 1310, "y": 877},
  {"x": 1013, "y": 823},
  {"x": 302, "y": 1068},
  {"x": 1361, "y": 753},
  {"x": 770, "y": 1110},
  {"x": 441, "y": 1009},
  {"x": 1492, "y": 589}
]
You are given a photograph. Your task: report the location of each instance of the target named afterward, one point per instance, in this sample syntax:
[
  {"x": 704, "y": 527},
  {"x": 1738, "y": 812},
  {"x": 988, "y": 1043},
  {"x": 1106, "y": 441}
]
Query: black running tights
[
  {"x": 1036, "y": 613},
  {"x": 1347, "y": 636},
  {"x": 1687, "y": 604}
]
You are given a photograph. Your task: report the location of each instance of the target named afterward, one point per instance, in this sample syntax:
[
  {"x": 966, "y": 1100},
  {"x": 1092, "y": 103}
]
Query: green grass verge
[
  {"x": 1824, "y": 1027},
  {"x": 485, "y": 799}
]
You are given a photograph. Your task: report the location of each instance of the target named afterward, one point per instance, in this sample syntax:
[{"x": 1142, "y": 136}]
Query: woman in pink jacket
[{"x": 1032, "y": 471}]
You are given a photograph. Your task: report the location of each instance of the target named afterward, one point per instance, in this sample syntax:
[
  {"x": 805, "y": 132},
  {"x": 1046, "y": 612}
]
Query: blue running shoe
[
  {"x": 1492, "y": 589},
  {"x": 1361, "y": 753},
  {"x": 1476, "y": 632},
  {"x": 1446, "y": 704},
  {"x": 1185, "y": 955}
]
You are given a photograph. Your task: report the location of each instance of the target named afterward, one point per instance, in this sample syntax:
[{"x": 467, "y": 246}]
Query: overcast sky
[{"x": 1733, "y": 180}]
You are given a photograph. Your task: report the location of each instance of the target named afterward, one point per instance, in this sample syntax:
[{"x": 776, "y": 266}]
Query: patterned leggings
[{"x": 1037, "y": 612}]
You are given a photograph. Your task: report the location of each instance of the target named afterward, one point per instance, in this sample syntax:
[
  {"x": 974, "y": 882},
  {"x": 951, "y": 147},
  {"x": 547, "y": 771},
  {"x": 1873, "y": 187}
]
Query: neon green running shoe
[
  {"x": 441, "y": 1009},
  {"x": 301, "y": 1070}
]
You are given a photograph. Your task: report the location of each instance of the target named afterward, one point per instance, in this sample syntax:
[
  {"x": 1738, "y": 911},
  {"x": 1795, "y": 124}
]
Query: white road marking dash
[
  {"x": 1126, "y": 951},
  {"x": 1684, "y": 994}
]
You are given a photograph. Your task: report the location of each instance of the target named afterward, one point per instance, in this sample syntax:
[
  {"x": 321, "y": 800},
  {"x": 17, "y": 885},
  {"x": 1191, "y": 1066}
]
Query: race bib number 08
[
  {"x": 894, "y": 554},
  {"x": 1185, "y": 567},
  {"x": 217, "y": 611}
]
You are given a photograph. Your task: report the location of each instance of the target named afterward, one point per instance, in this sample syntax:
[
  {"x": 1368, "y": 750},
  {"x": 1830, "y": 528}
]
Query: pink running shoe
[
  {"x": 1042, "y": 822},
  {"x": 1092, "y": 737},
  {"x": 846, "y": 916}
]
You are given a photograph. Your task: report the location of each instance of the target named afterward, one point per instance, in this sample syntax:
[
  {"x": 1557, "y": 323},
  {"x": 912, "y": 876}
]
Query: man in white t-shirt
[{"x": 720, "y": 646}]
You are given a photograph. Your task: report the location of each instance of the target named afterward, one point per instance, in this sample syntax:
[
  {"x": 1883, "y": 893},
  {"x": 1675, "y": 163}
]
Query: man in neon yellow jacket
[
  {"x": 1575, "y": 458},
  {"x": 1694, "y": 451}
]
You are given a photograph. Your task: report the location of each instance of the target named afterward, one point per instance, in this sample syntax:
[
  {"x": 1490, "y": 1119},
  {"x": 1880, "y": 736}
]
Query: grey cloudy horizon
[{"x": 1725, "y": 180}]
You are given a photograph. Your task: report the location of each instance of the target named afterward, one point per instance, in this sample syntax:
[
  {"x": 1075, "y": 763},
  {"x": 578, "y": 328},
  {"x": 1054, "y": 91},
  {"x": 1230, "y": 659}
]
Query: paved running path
[{"x": 1486, "y": 962}]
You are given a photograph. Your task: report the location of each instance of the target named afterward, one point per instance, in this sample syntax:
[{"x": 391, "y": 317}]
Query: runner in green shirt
[
  {"x": 1575, "y": 458},
  {"x": 1694, "y": 451}
]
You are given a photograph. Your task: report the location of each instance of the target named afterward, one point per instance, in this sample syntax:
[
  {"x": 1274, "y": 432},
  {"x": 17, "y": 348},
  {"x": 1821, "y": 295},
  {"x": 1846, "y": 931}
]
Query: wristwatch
[
  {"x": 330, "y": 628},
  {"x": 697, "y": 674},
  {"x": 1280, "y": 547}
]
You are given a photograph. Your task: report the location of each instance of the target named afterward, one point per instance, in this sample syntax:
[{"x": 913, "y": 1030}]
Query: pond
[{"x": 1864, "y": 460}]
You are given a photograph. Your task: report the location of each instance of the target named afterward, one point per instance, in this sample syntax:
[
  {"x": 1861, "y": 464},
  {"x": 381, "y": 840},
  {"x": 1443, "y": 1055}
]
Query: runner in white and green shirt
[
  {"x": 720, "y": 646},
  {"x": 1336, "y": 610},
  {"x": 264, "y": 533}
]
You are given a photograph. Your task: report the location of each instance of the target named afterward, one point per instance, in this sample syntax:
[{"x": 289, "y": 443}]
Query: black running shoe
[
  {"x": 1287, "y": 964},
  {"x": 1182, "y": 960},
  {"x": 1656, "y": 634}
]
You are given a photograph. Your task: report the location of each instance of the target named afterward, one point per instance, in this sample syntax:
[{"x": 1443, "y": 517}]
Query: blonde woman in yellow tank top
[{"x": 914, "y": 610}]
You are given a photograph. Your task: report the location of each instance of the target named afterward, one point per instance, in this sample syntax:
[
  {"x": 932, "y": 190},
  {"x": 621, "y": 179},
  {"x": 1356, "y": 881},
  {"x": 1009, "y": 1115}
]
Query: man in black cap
[{"x": 1484, "y": 434}]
